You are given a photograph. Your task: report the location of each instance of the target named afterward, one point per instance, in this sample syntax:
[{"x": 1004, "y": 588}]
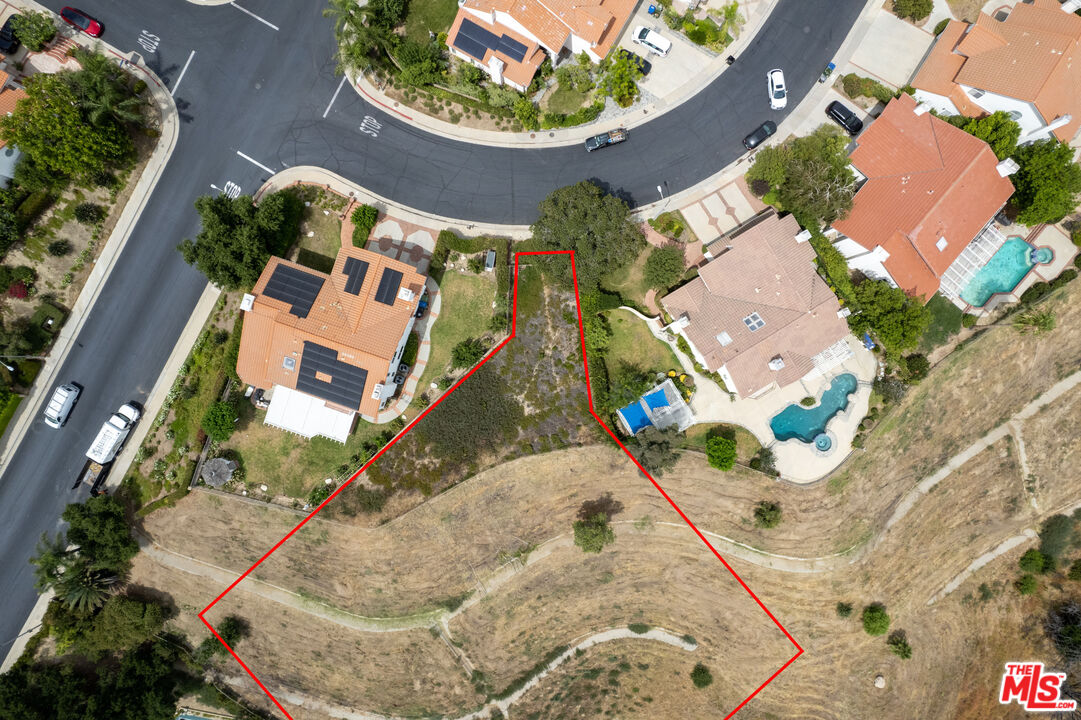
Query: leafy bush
[
  {"x": 219, "y": 421},
  {"x": 1066, "y": 276},
  {"x": 664, "y": 267},
  {"x": 759, "y": 187},
  {"x": 1075, "y": 571},
  {"x": 412, "y": 345},
  {"x": 593, "y": 534},
  {"x": 59, "y": 248},
  {"x": 702, "y": 32},
  {"x": 1035, "y": 292},
  {"x": 89, "y": 213},
  {"x": 33, "y": 29},
  {"x": 875, "y": 619},
  {"x": 638, "y": 628},
  {"x": 968, "y": 320},
  {"x": 502, "y": 97},
  {"x": 620, "y": 79},
  {"x": 526, "y": 113},
  {"x": 579, "y": 117},
  {"x": 18, "y": 290},
  {"x": 701, "y": 676},
  {"x": 844, "y": 609},
  {"x": 1048, "y": 182},
  {"x": 468, "y": 353},
  {"x": 941, "y": 26},
  {"x": 1056, "y": 535},
  {"x": 32, "y": 207},
  {"x": 655, "y": 450},
  {"x": 807, "y": 401},
  {"x": 721, "y": 452},
  {"x": 767, "y": 514},
  {"x": 916, "y": 368},
  {"x": 1026, "y": 584},
  {"x": 364, "y": 218},
  {"x": 898, "y": 643},
  {"x": 1034, "y": 561},
  {"x": 913, "y": 9}
]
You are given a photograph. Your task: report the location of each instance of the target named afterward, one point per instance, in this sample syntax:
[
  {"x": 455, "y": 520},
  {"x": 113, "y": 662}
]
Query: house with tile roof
[
  {"x": 1027, "y": 64},
  {"x": 509, "y": 39},
  {"x": 759, "y": 314},
  {"x": 923, "y": 216},
  {"x": 325, "y": 347}
]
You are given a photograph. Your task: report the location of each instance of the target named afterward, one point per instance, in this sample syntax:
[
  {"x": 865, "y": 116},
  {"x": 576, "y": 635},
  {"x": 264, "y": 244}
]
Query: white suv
[
  {"x": 60, "y": 405},
  {"x": 657, "y": 43},
  {"x": 778, "y": 93}
]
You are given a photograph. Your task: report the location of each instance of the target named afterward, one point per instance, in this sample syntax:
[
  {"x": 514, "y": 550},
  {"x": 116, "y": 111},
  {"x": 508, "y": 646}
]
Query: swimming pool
[
  {"x": 806, "y": 424},
  {"x": 1007, "y": 267}
]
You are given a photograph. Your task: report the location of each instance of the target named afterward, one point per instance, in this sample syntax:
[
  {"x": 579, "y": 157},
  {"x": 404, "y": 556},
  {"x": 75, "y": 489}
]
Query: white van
[{"x": 60, "y": 405}]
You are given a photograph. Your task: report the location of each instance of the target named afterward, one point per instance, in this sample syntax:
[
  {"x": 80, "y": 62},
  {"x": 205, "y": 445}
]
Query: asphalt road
[{"x": 261, "y": 82}]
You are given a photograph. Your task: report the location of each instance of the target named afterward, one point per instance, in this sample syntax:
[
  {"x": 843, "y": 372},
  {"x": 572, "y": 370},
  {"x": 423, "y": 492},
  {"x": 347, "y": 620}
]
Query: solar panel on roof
[
  {"x": 295, "y": 287},
  {"x": 473, "y": 40},
  {"x": 356, "y": 270},
  {"x": 346, "y": 386},
  {"x": 388, "y": 286}
]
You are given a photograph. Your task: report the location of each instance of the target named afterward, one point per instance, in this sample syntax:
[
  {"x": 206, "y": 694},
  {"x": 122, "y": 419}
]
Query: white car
[
  {"x": 657, "y": 43},
  {"x": 778, "y": 93}
]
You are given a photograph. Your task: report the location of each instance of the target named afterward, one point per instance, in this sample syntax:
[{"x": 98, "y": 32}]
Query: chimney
[{"x": 1008, "y": 166}]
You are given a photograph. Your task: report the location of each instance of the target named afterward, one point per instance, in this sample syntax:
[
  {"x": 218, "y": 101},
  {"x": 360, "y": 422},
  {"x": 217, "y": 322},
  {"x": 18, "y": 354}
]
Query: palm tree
[
  {"x": 49, "y": 561},
  {"x": 102, "y": 90},
  {"x": 362, "y": 42},
  {"x": 731, "y": 19},
  {"x": 1035, "y": 321},
  {"x": 83, "y": 589}
]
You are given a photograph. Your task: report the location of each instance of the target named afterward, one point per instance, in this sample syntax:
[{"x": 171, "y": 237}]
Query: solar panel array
[
  {"x": 346, "y": 386},
  {"x": 356, "y": 271},
  {"x": 295, "y": 287},
  {"x": 388, "y": 286},
  {"x": 474, "y": 40}
]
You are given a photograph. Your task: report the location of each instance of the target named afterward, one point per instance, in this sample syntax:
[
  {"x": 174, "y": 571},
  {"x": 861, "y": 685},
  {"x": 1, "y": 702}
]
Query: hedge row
[{"x": 854, "y": 86}]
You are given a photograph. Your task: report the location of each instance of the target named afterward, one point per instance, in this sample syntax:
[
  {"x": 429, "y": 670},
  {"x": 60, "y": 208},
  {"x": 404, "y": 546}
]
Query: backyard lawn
[
  {"x": 945, "y": 323},
  {"x": 426, "y": 16},
  {"x": 746, "y": 444},
  {"x": 318, "y": 251},
  {"x": 465, "y": 312},
  {"x": 566, "y": 100},
  {"x": 634, "y": 344},
  {"x": 630, "y": 282}
]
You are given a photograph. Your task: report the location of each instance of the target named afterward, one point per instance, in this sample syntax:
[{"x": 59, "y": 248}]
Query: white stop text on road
[
  {"x": 371, "y": 126},
  {"x": 149, "y": 41}
]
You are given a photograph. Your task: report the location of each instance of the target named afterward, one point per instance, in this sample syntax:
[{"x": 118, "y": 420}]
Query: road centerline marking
[
  {"x": 181, "y": 76},
  {"x": 255, "y": 162},
  {"x": 249, "y": 12},
  {"x": 335, "y": 97}
]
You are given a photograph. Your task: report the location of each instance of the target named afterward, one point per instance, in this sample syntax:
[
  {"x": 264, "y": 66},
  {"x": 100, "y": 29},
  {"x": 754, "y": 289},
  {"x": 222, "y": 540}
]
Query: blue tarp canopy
[
  {"x": 635, "y": 417},
  {"x": 868, "y": 342},
  {"x": 656, "y": 399}
]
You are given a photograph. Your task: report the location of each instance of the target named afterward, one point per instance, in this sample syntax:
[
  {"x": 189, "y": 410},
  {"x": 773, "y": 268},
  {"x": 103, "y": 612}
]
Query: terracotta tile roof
[
  {"x": 363, "y": 331},
  {"x": 765, "y": 271},
  {"x": 518, "y": 72},
  {"x": 598, "y": 22},
  {"x": 1034, "y": 55},
  {"x": 8, "y": 98},
  {"x": 926, "y": 180}
]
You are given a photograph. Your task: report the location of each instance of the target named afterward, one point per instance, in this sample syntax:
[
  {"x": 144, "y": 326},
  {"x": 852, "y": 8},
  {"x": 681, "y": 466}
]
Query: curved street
[{"x": 255, "y": 86}]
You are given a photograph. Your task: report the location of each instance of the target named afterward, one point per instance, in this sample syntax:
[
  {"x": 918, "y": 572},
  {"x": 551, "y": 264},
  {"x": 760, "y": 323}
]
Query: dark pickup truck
[{"x": 605, "y": 139}]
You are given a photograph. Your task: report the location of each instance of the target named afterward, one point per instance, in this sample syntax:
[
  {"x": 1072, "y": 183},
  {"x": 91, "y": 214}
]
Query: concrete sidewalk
[{"x": 758, "y": 10}]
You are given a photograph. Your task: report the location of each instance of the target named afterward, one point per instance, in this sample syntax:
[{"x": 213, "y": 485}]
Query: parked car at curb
[
  {"x": 8, "y": 42},
  {"x": 81, "y": 21},
  {"x": 643, "y": 65},
  {"x": 60, "y": 404},
  {"x": 778, "y": 91},
  {"x": 605, "y": 139},
  {"x": 761, "y": 133},
  {"x": 844, "y": 117},
  {"x": 653, "y": 40}
]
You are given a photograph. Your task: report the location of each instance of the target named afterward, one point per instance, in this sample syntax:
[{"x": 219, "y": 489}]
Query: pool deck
[
  {"x": 1051, "y": 236},
  {"x": 797, "y": 461}
]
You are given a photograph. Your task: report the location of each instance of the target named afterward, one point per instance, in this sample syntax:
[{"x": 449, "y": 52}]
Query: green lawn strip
[
  {"x": 630, "y": 281},
  {"x": 945, "y": 323},
  {"x": 746, "y": 443},
  {"x": 465, "y": 310},
  {"x": 318, "y": 251},
  {"x": 289, "y": 464},
  {"x": 426, "y": 16},
  {"x": 8, "y": 411},
  {"x": 634, "y": 344},
  {"x": 566, "y": 100}
]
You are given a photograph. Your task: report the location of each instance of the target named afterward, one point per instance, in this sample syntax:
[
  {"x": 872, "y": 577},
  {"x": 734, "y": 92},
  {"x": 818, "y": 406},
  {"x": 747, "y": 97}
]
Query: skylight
[{"x": 753, "y": 321}]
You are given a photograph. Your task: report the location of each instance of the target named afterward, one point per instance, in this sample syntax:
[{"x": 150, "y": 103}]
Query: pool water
[
  {"x": 807, "y": 424},
  {"x": 823, "y": 442},
  {"x": 1004, "y": 270},
  {"x": 1042, "y": 255}
]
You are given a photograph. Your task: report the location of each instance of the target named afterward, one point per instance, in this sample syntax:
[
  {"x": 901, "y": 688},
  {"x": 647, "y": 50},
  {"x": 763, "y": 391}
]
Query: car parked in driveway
[
  {"x": 643, "y": 65},
  {"x": 656, "y": 43},
  {"x": 850, "y": 121},
  {"x": 8, "y": 42},
  {"x": 81, "y": 21},
  {"x": 778, "y": 91},
  {"x": 759, "y": 135}
]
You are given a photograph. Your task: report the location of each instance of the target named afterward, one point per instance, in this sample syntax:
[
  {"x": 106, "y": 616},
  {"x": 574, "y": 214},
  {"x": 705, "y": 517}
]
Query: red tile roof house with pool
[
  {"x": 508, "y": 39},
  {"x": 758, "y": 313},
  {"x": 923, "y": 217}
]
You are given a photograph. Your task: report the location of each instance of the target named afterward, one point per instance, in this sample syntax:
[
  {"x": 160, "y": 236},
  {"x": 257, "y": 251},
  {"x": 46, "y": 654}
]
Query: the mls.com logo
[{"x": 1033, "y": 690}]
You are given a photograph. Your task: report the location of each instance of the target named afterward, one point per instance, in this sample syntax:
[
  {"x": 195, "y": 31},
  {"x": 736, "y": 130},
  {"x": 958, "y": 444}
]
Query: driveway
[
  {"x": 891, "y": 51},
  {"x": 684, "y": 63}
]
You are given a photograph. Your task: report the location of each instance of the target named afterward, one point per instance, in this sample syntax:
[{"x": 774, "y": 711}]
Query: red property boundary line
[{"x": 592, "y": 411}]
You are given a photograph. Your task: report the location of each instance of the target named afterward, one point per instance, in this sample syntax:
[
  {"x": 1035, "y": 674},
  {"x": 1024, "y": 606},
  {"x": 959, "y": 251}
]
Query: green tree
[
  {"x": 468, "y": 353},
  {"x": 626, "y": 384},
  {"x": 701, "y": 676},
  {"x": 49, "y": 561},
  {"x": 913, "y": 9},
  {"x": 721, "y": 452},
  {"x": 592, "y": 534},
  {"x": 526, "y": 112},
  {"x": 100, "y": 529},
  {"x": 620, "y": 79},
  {"x": 83, "y": 589},
  {"x": 421, "y": 63},
  {"x": 895, "y": 320},
  {"x": 362, "y": 40},
  {"x": 997, "y": 130},
  {"x": 819, "y": 185},
  {"x": 844, "y": 609},
  {"x": 33, "y": 29},
  {"x": 104, "y": 91},
  {"x": 1057, "y": 534},
  {"x": 656, "y": 449},
  {"x": 898, "y": 644},
  {"x": 916, "y": 367},
  {"x": 596, "y": 226},
  {"x": 664, "y": 267},
  {"x": 875, "y": 619},
  {"x": 1036, "y": 322},
  {"x": 767, "y": 514},
  {"x": 50, "y": 127},
  {"x": 143, "y": 687},
  {"x": 1034, "y": 561},
  {"x": 219, "y": 421},
  {"x": 237, "y": 237},
  {"x": 1048, "y": 182},
  {"x": 771, "y": 165},
  {"x": 123, "y": 623},
  {"x": 1026, "y": 584}
]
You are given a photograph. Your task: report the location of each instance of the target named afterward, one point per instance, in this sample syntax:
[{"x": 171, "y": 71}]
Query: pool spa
[
  {"x": 809, "y": 424},
  {"x": 1006, "y": 268}
]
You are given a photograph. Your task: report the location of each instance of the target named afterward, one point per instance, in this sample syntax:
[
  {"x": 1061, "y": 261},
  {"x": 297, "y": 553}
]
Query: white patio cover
[{"x": 299, "y": 413}]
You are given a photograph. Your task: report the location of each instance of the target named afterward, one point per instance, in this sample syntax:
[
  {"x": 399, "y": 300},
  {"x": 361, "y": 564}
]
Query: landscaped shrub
[
  {"x": 916, "y": 368},
  {"x": 875, "y": 619},
  {"x": 968, "y": 320},
  {"x": 807, "y": 401},
  {"x": 412, "y": 345},
  {"x": 850, "y": 83},
  {"x": 941, "y": 26},
  {"x": 844, "y": 609},
  {"x": 364, "y": 218},
  {"x": 89, "y": 213},
  {"x": 767, "y": 514},
  {"x": 638, "y": 628},
  {"x": 1034, "y": 561},
  {"x": 1064, "y": 277},
  {"x": 219, "y": 421},
  {"x": 59, "y": 248},
  {"x": 898, "y": 643},
  {"x": 32, "y": 207},
  {"x": 1026, "y": 584},
  {"x": 526, "y": 113},
  {"x": 759, "y": 187},
  {"x": 468, "y": 353},
  {"x": 33, "y": 29},
  {"x": 913, "y": 9},
  {"x": 721, "y": 452},
  {"x": 664, "y": 267},
  {"x": 579, "y": 117},
  {"x": 18, "y": 290},
  {"x": 701, "y": 676}
]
